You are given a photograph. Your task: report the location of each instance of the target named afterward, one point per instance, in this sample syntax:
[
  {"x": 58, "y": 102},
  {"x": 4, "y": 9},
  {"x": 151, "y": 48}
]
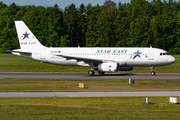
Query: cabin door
[
  {"x": 151, "y": 54},
  {"x": 42, "y": 55}
]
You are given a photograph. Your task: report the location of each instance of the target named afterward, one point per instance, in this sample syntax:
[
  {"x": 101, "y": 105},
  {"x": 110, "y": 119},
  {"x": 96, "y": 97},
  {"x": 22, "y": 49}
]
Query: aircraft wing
[
  {"x": 87, "y": 60},
  {"x": 93, "y": 60}
]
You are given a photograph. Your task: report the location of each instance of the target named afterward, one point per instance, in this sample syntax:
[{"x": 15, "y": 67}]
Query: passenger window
[
  {"x": 164, "y": 53},
  {"x": 160, "y": 53}
]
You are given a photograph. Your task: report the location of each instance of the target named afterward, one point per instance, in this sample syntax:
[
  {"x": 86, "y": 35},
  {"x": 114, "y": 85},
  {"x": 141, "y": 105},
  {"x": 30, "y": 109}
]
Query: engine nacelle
[
  {"x": 126, "y": 68},
  {"x": 108, "y": 67}
]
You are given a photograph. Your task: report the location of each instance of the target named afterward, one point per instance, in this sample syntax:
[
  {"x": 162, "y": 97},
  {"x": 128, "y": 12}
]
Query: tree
[
  {"x": 122, "y": 25},
  {"x": 92, "y": 34},
  {"x": 2, "y": 5},
  {"x": 163, "y": 32},
  {"x": 13, "y": 8},
  {"x": 46, "y": 24},
  {"x": 70, "y": 23},
  {"x": 157, "y": 6},
  {"x": 55, "y": 26},
  {"x": 82, "y": 16},
  {"x": 106, "y": 29},
  {"x": 8, "y": 36},
  {"x": 139, "y": 33},
  {"x": 110, "y": 4},
  {"x": 138, "y": 23}
]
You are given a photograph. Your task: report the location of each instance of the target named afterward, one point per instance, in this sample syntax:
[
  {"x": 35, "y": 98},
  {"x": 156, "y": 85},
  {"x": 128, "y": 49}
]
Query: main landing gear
[
  {"x": 91, "y": 72},
  {"x": 152, "y": 71}
]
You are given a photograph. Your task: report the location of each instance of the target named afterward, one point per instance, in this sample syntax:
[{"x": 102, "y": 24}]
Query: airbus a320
[{"x": 101, "y": 59}]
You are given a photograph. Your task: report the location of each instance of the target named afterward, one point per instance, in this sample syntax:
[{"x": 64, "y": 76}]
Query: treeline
[{"x": 136, "y": 24}]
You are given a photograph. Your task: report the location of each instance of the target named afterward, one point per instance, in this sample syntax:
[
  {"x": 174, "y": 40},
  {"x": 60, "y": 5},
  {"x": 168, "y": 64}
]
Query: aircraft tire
[
  {"x": 91, "y": 73},
  {"x": 153, "y": 73}
]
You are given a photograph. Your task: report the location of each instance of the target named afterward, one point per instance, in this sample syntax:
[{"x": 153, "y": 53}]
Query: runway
[
  {"x": 89, "y": 94},
  {"x": 85, "y": 76}
]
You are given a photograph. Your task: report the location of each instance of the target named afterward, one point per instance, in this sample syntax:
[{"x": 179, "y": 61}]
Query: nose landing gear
[{"x": 152, "y": 71}]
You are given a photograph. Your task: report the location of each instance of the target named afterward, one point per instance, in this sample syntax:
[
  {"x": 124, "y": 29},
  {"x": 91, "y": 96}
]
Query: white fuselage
[{"x": 125, "y": 56}]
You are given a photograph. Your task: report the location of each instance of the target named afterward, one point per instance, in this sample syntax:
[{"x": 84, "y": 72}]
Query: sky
[{"x": 62, "y": 3}]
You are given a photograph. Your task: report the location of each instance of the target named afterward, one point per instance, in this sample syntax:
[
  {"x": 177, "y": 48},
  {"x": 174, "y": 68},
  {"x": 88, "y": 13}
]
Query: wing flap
[
  {"x": 87, "y": 60},
  {"x": 93, "y": 60}
]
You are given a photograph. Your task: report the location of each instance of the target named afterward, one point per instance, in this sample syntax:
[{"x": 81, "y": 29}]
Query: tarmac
[{"x": 85, "y": 76}]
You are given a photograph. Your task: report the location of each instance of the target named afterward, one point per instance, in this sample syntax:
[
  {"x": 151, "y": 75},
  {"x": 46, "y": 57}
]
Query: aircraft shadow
[{"x": 118, "y": 74}]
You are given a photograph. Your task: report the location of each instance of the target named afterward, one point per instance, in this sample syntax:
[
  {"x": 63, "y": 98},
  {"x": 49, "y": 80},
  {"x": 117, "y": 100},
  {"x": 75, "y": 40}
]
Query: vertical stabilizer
[{"x": 26, "y": 37}]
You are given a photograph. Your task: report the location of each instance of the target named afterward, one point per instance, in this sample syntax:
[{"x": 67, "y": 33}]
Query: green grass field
[
  {"x": 126, "y": 108},
  {"x": 12, "y": 63},
  {"x": 91, "y": 86},
  {"x": 98, "y": 108}
]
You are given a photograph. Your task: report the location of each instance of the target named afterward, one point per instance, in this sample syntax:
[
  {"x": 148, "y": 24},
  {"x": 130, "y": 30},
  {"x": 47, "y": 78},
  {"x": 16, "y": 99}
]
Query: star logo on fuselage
[
  {"x": 25, "y": 35},
  {"x": 137, "y": 54}
]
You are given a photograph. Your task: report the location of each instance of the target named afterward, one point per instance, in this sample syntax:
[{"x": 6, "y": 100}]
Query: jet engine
[{"x": 108, "y": 67}]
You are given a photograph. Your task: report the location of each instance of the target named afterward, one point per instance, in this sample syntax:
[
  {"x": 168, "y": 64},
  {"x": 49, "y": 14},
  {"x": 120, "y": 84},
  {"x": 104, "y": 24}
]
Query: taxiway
[
  {"x": 84, "y": 76},
  {"x": 89, "y": 94}
]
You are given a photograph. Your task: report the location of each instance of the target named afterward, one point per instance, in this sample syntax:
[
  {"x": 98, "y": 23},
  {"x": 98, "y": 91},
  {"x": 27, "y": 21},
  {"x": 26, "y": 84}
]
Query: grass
[
  {"x": 91, "y": 86},
  {"x": 12, "y": 63},
  {"x": 108, "y": 108}
]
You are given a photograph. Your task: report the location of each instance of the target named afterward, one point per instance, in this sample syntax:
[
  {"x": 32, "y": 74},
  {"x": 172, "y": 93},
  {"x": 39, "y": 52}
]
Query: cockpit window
[{"x": 164, "y": 54}]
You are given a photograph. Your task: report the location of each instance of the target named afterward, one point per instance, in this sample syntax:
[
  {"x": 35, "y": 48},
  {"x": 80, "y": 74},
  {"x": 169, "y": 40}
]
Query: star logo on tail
[
  {"x": 26, "y": 35},
  {"x": 137, "y": 54}
]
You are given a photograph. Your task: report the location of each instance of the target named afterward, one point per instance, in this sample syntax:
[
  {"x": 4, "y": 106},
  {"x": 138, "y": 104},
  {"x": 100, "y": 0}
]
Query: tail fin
[{"x": 26, "y": 37}]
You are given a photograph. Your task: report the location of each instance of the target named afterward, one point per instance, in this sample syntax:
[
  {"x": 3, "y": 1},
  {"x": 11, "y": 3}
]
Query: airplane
[{"x": 101, "y": 59}]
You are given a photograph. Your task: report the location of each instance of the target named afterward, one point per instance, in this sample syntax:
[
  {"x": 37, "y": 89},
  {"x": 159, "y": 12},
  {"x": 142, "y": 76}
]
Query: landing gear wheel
[
  {"x": 91, "y": 72},
  {"x": 153, "y": 73},
  {"x": 152, "y": 70},
  {"x": 101, "y": 73}
]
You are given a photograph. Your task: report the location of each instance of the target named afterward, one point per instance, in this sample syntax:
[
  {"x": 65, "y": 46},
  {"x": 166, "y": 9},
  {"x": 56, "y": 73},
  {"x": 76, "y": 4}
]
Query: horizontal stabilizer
[{"x": 21, "y": 51}]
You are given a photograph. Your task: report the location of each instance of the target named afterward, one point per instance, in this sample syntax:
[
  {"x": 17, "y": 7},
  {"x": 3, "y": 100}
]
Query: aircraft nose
[{"x": 172, "y": 60}]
